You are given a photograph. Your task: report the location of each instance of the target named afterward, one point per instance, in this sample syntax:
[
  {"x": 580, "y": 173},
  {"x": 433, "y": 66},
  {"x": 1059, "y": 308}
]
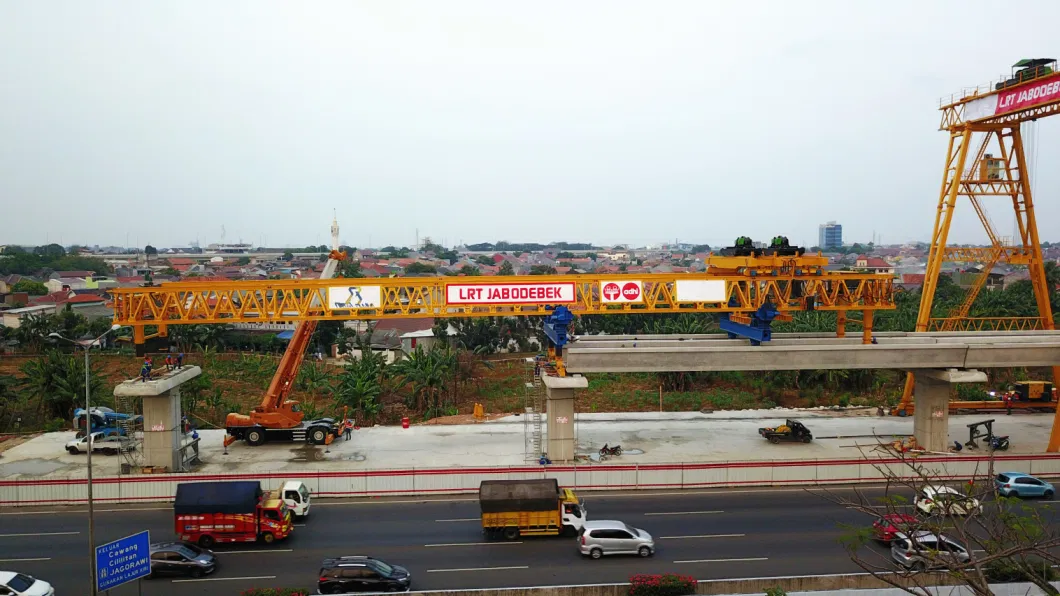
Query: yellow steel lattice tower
[{"x": 986, "y": 161}]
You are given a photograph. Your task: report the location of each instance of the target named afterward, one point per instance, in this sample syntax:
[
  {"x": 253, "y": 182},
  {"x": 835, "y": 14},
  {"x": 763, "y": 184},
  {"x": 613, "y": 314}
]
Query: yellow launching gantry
[
  {"x": 986, "y": 162},
  {"x": 744, "y": 290}
]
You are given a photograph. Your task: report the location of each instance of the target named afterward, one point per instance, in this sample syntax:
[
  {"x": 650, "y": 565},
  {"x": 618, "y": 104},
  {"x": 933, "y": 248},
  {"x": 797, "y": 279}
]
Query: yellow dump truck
[{"x": 514, "y": 508}]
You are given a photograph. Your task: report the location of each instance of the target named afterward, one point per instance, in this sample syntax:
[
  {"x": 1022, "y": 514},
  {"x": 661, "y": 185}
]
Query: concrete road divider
[{"x": 451, "y": 481}]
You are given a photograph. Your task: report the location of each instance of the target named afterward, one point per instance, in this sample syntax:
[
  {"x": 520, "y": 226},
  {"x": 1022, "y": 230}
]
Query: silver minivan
[
  {"x": 610, "y": 537},
  {"x": 922, "y": 550}
]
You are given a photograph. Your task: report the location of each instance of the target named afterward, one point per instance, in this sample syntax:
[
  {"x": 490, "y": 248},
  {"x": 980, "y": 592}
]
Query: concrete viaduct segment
[{"x": 936, "y": 359}]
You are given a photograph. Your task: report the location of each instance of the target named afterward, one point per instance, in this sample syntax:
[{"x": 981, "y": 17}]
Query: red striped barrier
[{"x": 436, "y": 481}]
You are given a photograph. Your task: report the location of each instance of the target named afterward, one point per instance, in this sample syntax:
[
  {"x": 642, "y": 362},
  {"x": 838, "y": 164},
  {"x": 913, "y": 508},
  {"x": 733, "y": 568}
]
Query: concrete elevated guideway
[
  {"x": 936, "y": 359},
  {"x": 789, "y": 351}
]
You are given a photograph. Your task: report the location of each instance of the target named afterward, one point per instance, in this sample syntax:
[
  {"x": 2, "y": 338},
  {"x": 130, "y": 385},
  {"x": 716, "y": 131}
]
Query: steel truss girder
[{"x": 302, "y": 300}]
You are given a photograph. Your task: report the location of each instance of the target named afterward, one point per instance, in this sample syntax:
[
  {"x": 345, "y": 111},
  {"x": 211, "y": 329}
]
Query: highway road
[{"x": 707, "y": 534}]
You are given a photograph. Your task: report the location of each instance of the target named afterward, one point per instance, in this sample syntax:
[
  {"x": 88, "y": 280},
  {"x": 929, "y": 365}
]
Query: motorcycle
[
  {"x": 611, "y": 451},
  {"x": 999, "y": 443}
]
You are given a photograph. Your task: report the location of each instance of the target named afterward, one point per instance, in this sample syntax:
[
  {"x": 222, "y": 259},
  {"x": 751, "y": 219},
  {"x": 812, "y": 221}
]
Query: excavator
[{"x": 277, "y": 418}]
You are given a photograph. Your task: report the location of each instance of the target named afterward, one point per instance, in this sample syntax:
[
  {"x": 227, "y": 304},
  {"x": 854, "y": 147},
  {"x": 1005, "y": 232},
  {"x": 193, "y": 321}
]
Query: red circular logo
[
  {"x": 631, "y": 291},
  {"x": 611, "y": 291}
]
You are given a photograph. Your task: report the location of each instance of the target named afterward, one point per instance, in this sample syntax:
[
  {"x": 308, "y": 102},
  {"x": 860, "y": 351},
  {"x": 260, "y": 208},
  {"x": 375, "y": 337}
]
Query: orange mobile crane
[
  {"x": 278, "y": 418},
  {"x": 748, "y": 290},
  {"x": 985, "y": 161}
]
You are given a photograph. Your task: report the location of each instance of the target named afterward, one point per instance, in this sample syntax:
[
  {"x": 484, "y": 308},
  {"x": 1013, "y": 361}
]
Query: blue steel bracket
[
  {"x": 557, "y": 325},
  {"x": 758, "y": 331}
]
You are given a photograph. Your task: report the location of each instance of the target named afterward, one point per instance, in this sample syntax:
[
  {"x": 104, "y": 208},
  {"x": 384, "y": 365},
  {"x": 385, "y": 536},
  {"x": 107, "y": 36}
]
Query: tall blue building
[{"x": 829, "y": 235}]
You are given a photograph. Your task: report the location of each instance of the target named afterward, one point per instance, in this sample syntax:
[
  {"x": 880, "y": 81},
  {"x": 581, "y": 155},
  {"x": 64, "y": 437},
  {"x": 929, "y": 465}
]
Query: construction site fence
[{"x": 420, "y": 482}]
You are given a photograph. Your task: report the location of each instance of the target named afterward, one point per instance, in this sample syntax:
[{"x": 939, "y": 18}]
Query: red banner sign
[
  {"x": 1028, "y": 96},
  {"x": 516, "y": 293}
]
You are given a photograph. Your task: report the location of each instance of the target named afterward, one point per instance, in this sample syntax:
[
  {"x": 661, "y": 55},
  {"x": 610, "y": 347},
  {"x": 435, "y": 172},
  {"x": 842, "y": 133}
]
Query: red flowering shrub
[{"x": 669, "y": 584}]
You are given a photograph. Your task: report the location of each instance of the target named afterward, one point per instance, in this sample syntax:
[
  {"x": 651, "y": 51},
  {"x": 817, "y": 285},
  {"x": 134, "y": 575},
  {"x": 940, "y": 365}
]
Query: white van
[{"x": 296, "y": 497}]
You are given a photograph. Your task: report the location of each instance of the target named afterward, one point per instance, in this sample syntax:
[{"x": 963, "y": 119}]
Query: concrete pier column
[
  {"x": 931, "y": 413},
  {"x": 559, "y": 416},
  {"x": 163, "y": 437}
]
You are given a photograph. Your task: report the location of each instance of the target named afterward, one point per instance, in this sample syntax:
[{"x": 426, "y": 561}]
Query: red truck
[{"x": 211, "y": 512}]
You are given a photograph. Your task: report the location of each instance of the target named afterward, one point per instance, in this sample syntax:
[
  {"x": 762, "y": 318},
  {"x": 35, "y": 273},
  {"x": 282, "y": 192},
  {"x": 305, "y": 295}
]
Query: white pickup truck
[{"x": 111, "y": 445}]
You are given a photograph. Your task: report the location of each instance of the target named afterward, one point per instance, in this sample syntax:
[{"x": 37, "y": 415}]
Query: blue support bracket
[
  {"x": 557, "y": 325},
  {"x": 758, "y": 331}
]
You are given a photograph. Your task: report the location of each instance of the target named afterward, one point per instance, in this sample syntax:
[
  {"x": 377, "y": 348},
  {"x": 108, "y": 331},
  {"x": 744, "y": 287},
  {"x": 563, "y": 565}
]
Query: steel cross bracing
[
  {"x": 990, "y": 121},
  {"x": 301, "y": 300}
]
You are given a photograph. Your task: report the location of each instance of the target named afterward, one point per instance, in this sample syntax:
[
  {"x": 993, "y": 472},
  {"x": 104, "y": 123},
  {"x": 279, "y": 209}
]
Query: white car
[
  {"x": 946, "y": 500},
  {"x": 20, "y": 584}
]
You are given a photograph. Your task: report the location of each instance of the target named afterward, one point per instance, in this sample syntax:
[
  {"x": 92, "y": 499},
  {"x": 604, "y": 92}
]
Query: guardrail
[{"x": 593, "y": 477}]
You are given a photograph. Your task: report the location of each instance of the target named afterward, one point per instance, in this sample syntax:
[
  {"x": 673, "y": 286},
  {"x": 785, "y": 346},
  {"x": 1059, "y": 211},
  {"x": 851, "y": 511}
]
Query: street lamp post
[{"x": 88, "y": 435}]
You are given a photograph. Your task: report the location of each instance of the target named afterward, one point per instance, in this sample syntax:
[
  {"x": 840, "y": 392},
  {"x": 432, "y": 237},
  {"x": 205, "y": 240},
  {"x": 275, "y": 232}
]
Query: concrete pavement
[{"x": 646, "y": 437}]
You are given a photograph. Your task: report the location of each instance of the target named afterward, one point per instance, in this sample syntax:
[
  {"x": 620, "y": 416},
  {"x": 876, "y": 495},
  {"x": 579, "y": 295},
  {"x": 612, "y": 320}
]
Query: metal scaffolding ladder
[
  {"x": 133, "y": 428},
  {"x": 533, "y": 410}
]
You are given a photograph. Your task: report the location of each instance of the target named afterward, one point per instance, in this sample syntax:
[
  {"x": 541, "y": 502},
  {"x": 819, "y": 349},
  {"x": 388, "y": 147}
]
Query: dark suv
[
  {"x": 361, "y": 574},
  {"x": 181, "y": 558}
]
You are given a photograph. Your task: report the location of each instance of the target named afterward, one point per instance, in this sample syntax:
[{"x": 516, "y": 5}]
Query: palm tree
[
  {"x": 57, "y": 380},
  {"x": 428, "y": 371}
]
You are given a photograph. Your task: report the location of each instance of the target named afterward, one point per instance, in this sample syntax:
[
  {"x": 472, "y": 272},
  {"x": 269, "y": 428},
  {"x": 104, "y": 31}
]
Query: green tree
[
  {"x": 506, "y": 268},
  {"x": 150, "y": 251},
  {"x": 542, "y": 270},
  {"x": 349, "y": 269},
  {"x": 57, "y": 380},
  {"x": 420, "y": 268},
  {"x": 484, "y": 260},
  {"x": 34, "y": 329},
  {"x": 429, "y": 372},
  {"x": 34, "y": 288},
  {"x": 242, "y": 261},
  {"x": 469, "y": 270},
  {"x": 287, "y": 255},
  {"x": 51, "y": 251}
]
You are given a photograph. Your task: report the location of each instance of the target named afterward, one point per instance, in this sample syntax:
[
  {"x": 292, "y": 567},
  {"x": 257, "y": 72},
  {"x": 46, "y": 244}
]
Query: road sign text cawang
[{"x": 123, "y": 561}]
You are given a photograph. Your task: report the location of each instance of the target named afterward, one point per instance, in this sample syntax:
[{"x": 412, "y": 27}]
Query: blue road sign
[{"x": 123, "y": 561}]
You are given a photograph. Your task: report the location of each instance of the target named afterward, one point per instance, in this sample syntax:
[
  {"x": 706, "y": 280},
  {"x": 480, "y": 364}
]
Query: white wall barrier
[{"x": 148, "y": 488}]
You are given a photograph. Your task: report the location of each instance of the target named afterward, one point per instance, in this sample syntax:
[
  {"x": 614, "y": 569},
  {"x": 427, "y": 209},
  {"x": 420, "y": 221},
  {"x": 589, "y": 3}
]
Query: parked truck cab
[
  {"x": 514, "y": 508},
  {"x": 296, "y": 496}
]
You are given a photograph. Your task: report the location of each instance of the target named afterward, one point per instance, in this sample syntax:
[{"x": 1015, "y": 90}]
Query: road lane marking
[
  {"x": 703, "y": 536},
  {"x": 468, "y": 544},
  {"x": 222, "y": 579},
  {"x": 41, "y": 534},
  {"x": 684, "y": 513},
  {"x": 319, "y": 504},
  {"x": 724, "y": 560},
  {"x": 23, "y": 560},
  {"x": 81, "y": 511},
  {"x": 477, "y": 569},
  {"x": 247, "y": 552},
  {"x": 458, "y": 519}
]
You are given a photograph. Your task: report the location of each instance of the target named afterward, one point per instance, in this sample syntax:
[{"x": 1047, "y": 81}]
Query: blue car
[{"x": 1018, "y": 484}]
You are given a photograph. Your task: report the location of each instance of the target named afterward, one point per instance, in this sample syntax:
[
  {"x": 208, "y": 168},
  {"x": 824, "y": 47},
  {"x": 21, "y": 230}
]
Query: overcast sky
[{"x": 641, "y": 122}]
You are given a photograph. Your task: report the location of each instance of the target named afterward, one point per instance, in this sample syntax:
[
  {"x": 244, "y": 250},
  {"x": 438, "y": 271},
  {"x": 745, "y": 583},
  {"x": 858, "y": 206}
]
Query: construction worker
[
  {"x": 169, "y": 362},
  {"x": 180, "y": 360},
  {"x": 145, "y": 369},
  {"x": 347, "y": 430},
  {"x": 1007, "y": 397}
]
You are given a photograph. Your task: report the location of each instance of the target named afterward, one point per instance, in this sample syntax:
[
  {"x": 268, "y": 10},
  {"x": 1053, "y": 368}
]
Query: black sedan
[{"x": 181, "y": 558}]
